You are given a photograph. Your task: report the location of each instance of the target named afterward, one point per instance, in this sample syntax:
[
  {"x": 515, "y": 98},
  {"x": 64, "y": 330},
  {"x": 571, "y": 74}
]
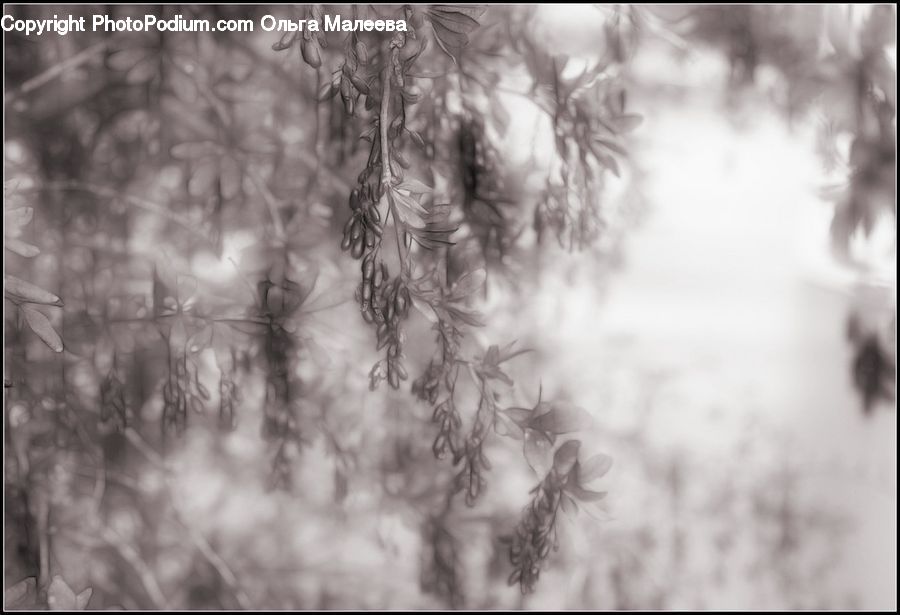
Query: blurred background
[{"x": 729, "y": 323}]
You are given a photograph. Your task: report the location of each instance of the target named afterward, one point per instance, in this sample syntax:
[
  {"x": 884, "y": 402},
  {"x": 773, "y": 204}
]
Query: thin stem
[
  {"x": 383, "y": 121},
  {"x": 386, "y": 178},
  {"x": 55, "y": 71}
]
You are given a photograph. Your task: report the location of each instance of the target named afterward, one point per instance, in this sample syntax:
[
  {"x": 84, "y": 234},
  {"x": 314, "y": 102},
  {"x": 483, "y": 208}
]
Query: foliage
[{"x": 181, "y": 141}]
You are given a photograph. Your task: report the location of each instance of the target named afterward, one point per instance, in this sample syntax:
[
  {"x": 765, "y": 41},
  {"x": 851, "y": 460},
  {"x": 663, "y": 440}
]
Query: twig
[
  {"x": 383, "y": 121},
  {"x": 130, "y": 555},
  {"x": 55, "y": 71},
  {"x": 197, "y": 537},
  {"x": 269, "y": 200},
  {"x": 386, "y": 178},
  {"x": 214, "y": 559}
]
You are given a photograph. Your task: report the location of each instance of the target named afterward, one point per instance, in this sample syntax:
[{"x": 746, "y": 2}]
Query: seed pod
[
  {"x": 395, "y": 128},
  {"x": 366, "y": 292},
  {"x": 544, "y": 550},
  {"x": 376, "y": 230},
  {"x": 367, "y": 315},
  {"x": 345, "y": 242},
  {"x": 374, "y": 214},
  {"x": 370, "y": 238},
  {"x": 439, "y": 446},
  {"x": 354, "y": 199},
  {"x": 393, "y": 380},
  {"x": 401, "y": 159},
  {"x": 474, "y": 488},
  {"x": 389, "y": 312},
  {"x": 361, "y": 86},
  {"x": 356, "y": 249},
  {"x": 356, "y": 230},
  {"x": 377, "y": 277},
  {"x": 347, "y": 97},
  {"x": 401, "y": 371},
  {"x": 381, "y": 330},
  {"x": 368, "y": 267},
  {"x": 437, "y": 412},
  {"x": 310, "y": 52},
  {"x": 400, "y": 303},
  {"x": 515, "y": 577}
]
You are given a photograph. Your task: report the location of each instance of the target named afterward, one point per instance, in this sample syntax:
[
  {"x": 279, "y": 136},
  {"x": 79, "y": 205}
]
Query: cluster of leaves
[
  {"x": 23, "y": 294},
  {"x": 484, "y": 203},
  {"x": 562, "y": 486},
  {"x": 589, "y": 119}
]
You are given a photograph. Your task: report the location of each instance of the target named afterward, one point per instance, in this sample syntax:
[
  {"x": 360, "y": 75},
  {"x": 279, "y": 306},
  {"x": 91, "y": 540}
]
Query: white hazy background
[{"x": 727, "y": 319}]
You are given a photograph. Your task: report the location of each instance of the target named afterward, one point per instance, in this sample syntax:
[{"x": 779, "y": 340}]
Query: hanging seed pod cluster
[{"x": 390, "y": 210}]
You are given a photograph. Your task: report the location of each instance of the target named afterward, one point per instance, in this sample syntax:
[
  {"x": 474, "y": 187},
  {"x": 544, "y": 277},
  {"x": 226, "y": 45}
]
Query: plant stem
[
  {"x": 383, "y": 121},
  {"x": 386, "y": 178}
]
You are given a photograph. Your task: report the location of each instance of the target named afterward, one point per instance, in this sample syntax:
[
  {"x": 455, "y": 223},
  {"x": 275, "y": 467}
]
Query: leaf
[
  {"x": 473, "y": 319},
  {"x": 474, "y": 11},
  {"x": 584, "y": 494},
  {"x": 566, "y": 456},
  {"x": 426, "y": 310},
  {"x": 432, "y": 236},
  {"x": 21, "y": 248},
  {"x": 61, "y": 597},
  {"x": 21, "y": 595},
  {"x": 29, "y": 293},
  {"x": 608, "y": 161},
  {"x": 448, "y": 36},
  {"x": 127, "y": 59},
  {"x": 42, "y": 327},
  {"x": 569, "y": 506},
  {"x": 562, "y": 418},
  {"x": 520, "y": 416},
  {"x": 329, "y": 90},
  {"x": 285, "y": 42},
  {"x": 594, "y": 468},
  {"x": 537, "y": 451},
  {"x": 409, "y": 210},
  {"x": 414, "y": 186},
  {"x": 17, "y": 218},
  {"x": 507, "y": 353},
  {"x": 82, "y": 599},
  {"x": 627, "y": 122},
  {"x": 505, "y": 426},
  {"x": 143, "y": 71},
  {"x": 469, "y": 283},
  {"x": 417, "y": 138},
  {"x": 454, "y": 20},
  {"x": 611, "y": 146}
]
